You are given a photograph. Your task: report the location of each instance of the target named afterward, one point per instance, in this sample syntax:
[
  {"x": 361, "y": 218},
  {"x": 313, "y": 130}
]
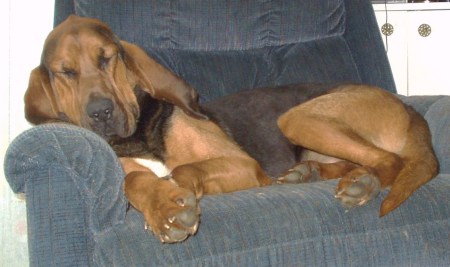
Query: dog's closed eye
[
  {"x": 103, "y": 62},
  {"x": 106, "y": 55},
  {"x": 69, "y": 73}
]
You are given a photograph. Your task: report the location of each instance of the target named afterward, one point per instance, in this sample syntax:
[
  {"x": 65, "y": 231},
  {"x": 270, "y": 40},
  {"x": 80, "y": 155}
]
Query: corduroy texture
[
  {"x": 220, "y": 46},
  {"x": 73, "y": 185},
  {"x": 73, "y": 181},
  {"x": 222, "y": 26},
  {"x": 76, "y": 211},
  {"x": 301, "y": 225}
]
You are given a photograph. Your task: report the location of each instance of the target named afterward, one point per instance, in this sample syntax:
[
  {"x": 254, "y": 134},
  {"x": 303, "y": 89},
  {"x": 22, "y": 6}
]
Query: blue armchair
[{"x": 77, "y": 213}]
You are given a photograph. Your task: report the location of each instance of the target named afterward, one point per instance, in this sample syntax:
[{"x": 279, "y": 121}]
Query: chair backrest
[{"x": 223, "y": 46}]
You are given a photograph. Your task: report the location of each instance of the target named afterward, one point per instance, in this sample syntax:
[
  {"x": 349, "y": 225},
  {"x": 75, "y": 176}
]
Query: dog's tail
[
  {"x": 420, "y": 164},
  {"x": 410, "y": 178}
]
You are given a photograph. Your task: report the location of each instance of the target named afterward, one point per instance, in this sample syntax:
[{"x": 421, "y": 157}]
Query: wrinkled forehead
[{"x": 76, "y": 37}]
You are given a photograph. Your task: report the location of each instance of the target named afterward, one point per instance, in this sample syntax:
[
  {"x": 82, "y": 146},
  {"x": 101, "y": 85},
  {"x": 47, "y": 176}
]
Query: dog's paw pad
[
  {"x": 174, "y": 215},
  {"x": 355, "y": 191},
  {"x": 188, "y": 217},
  {"x": 182, "y": 220},
  {"x": 173, "y": 234},
  {"x": 304, "y": 172}
]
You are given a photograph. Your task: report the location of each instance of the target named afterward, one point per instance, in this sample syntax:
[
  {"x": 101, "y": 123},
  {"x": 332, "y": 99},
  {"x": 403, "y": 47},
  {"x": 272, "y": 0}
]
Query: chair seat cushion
[{"x": 286, "y": 225}]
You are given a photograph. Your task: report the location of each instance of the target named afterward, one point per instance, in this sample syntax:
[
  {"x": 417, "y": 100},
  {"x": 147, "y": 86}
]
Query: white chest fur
[{"x": 155, "y": 166}]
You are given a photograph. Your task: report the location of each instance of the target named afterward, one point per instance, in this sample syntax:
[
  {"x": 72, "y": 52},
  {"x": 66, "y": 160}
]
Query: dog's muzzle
[
  {"x": 102, "y": 117},
  {"x": 100, "y": 110}
]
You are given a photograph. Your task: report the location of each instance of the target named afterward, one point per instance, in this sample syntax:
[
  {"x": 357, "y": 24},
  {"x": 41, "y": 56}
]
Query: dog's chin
[{"x": 109, "y": 131}]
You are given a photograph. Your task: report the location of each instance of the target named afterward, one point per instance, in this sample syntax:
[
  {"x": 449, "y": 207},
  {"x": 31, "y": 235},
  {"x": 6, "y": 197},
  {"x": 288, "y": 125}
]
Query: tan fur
[
  {"x": 83, "y": 60},
  {"x": 370, "y": 127},
  {"x": 201, "y": 148},
  {"x": 202, "y": 160}
]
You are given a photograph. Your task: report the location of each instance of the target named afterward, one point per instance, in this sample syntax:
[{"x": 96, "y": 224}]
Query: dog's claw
[
  {"x": 147, "y": 227},
  {"x": 163, "y": 238}
]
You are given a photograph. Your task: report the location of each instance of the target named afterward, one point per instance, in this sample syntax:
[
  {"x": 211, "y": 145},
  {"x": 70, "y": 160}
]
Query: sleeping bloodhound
[{"x": 151, "y": 117}]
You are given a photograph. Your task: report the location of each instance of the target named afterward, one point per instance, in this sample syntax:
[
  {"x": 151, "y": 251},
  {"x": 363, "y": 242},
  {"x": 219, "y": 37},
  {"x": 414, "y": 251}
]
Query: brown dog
[{"x": 90, "y": 78}]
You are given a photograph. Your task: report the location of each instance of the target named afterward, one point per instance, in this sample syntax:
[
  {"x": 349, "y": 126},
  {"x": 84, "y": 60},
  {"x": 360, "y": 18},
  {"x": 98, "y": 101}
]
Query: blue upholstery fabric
[
  {"x": 363, "y": 38},
  {"x": 301, "y": 225},
  {"x": 272, "y": 226},
  {"x": 435, "y": 109},
  {"x": 220, "y": 47},
  {"x": 222, "y": 26},
  {"x": 269, "y": 66},
  {"x": 439, "y": 123},
  {"x": 76, "y": 184},
  {"x": 73, "y": 181}
]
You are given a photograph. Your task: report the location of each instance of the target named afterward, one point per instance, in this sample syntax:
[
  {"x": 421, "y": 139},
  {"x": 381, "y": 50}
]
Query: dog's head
[{"x": 87, "y": 76}]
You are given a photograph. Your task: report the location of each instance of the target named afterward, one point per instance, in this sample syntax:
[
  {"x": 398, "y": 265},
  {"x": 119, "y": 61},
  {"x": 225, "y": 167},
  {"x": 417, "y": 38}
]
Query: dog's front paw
[
  {"x": 304, "y": 172},
  {"x": 171, "y": 212},
  {"x": 174, "y": 214},
  {"x": 357, "y": 187}
]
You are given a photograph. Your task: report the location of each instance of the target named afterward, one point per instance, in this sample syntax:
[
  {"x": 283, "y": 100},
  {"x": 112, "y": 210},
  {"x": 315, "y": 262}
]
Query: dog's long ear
[
  {"x": 159, "y": 82},
  {"x": 40, "y": 102}
]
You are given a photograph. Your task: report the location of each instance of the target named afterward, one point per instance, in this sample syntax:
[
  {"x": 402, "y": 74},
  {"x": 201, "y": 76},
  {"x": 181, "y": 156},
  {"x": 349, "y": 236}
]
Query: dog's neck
[{"x": 148, "y": 139}]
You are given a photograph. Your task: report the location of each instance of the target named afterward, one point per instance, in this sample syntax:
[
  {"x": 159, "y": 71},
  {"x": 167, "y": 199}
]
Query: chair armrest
[
  {"x": 436, "y": 110},
  {"x": 72, "y": 181},
  {"x": 438, "y": 118}
]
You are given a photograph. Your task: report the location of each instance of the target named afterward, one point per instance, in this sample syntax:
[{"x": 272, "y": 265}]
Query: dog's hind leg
[
  {"x": 329, "y": 135},
  {"x": 369, "y": 127}
]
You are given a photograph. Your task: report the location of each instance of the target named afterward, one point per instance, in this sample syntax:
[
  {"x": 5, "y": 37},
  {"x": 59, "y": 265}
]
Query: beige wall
[{"x": 24, "y": 24}]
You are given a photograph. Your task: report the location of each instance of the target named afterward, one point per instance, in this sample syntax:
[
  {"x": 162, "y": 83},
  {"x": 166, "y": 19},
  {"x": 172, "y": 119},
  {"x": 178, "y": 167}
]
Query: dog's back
[{"x": 251, "y": 119}]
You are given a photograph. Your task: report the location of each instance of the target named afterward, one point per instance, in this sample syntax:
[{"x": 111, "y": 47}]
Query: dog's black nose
[{"x": 100, "y": 109}]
